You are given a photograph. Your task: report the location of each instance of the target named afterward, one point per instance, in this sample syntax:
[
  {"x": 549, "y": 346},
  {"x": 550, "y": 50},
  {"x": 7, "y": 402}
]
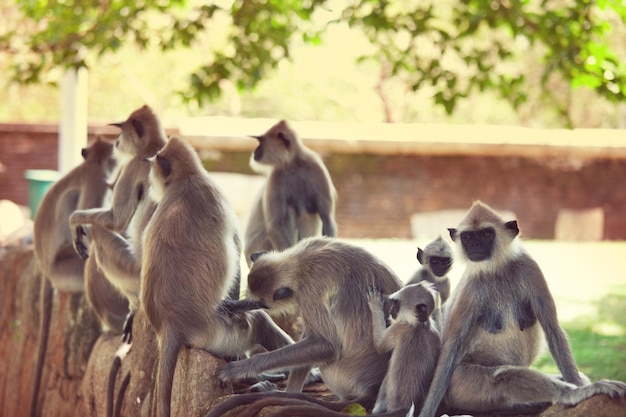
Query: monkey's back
[
  {"x": 190, "y": 256},
  {"x": 412, "y": 366}
]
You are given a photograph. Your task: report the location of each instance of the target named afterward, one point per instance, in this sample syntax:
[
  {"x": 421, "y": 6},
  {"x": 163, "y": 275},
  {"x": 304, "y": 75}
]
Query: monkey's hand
[
  {"x": 375, "y": 298},
  {"x": 127, "y": 331},
  {"x": 79, "y": 245},
  {"x": 235, "y": 370}
]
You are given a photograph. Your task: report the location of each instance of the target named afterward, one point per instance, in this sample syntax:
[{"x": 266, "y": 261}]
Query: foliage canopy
[{"x": 456, "y": 46}]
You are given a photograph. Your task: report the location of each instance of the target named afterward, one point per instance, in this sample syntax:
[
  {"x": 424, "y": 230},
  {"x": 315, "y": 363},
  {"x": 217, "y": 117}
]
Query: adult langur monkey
[
  {"x": 327, "y": 281},
  {"x": 189, "y": 263},
  {"x": 83, "y": 187},
  {"x": 493, "y": 327},
  {"x": 413, "y": 340},
  {"x": 298, "y": 198},
  {"x": 436, "y": 260},
  {"x": 116, "y": 230},
  {"x": 296, "y": 201}
]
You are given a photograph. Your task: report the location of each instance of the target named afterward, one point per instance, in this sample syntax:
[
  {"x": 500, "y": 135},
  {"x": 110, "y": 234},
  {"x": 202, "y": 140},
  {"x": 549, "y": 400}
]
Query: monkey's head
[
  {"x": 413, "y": 303},
  {"x": 137, "y": 133},
  {"x": 277, "y": 146},
  {"x": 436, "y": 256},
  {"x": 272, "y": 282},
  {"x": 483, "y": 235},
  {"x": 176, "y": 160},
  {"x": 99, "y": 151}
]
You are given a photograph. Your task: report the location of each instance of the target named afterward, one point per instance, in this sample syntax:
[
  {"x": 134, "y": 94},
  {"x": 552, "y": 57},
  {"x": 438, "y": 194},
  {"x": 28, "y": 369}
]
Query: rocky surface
[{"x": 79, "y": 359}]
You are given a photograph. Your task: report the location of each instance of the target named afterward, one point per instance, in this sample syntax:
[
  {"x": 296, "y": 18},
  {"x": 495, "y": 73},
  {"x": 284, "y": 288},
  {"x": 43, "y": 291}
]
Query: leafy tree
[{"x": 456, "y": 46}]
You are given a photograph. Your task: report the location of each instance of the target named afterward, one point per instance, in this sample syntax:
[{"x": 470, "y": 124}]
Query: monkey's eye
[
  {"x": 486, "y": 233},
  {"x": 282, "y": 293}
]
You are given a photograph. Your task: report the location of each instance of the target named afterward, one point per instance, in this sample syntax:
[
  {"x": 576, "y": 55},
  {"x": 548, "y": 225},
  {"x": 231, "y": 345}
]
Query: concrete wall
[{"x": 379, "y": 192}]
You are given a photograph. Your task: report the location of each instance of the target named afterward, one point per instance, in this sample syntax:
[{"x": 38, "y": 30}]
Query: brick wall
[{"x": 379, "y": 193}]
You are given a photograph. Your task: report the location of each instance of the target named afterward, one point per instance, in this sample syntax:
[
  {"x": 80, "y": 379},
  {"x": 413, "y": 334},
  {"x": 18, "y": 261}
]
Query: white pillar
[{"x": 73, "y": 123}]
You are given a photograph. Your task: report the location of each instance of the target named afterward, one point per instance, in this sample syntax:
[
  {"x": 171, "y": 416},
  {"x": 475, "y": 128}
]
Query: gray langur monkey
[
  {"x": 190, "y": 261},
  {"x": 298, "y": 197},
  {"x": 413, "y": 340},
  {"x": 436, "y": 260},
  {"x": 83, "y": 187},
  {"x": 327, "y": 281},
  {"x": 116, "y": 231},
  {"x": 492, "y": 330}
]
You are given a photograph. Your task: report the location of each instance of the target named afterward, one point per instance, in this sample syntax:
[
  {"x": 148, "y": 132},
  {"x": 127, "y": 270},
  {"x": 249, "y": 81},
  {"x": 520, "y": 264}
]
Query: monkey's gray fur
[{"x": 492, "y": 329}]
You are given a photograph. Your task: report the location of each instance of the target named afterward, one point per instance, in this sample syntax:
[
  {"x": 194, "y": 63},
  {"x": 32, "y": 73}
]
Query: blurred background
[{"x": 417, "y": 107}]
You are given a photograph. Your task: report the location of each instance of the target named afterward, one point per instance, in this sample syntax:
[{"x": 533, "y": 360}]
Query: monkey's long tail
[
  {"x": 169, "y": 345},
  {"x": 44, "y": 332},
  {"x": 115, "y": 366},
  {"x": 264, "y": 399}
]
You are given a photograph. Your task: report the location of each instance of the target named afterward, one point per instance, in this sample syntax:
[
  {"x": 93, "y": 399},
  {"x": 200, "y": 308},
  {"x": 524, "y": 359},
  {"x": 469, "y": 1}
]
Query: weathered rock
[{"x": 76, "y": 371}]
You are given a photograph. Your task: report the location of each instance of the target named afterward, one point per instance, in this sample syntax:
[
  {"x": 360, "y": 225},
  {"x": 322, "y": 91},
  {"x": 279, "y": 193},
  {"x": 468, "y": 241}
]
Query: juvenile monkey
[
  {"x": 493, "y": 327},
  {"x": 413, "y": 340},
  {"x": 190, "y": 261},
  {"x": 326, "y": 280},
  {"x": 298, "y": 198},
  {"x": 436, "y": 260},
  {"x": 83, "y": 187}
]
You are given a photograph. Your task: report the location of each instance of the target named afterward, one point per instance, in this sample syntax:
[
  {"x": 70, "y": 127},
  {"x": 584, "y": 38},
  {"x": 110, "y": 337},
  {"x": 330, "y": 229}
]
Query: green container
[{"x": 38, "y": 182}]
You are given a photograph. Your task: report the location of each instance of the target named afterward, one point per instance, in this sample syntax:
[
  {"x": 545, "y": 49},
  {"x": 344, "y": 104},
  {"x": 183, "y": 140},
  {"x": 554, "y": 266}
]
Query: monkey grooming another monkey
[
  {"x": 298, "y": 198},
  {"x": 436, "y": 260},
  {"x": 413, "y": 340},
  {"x": 190, "y": 261},
  {"x": 83, "y": 187},
  {"x": 492, "y": 330},
  {"x": 327, "y": 281}
]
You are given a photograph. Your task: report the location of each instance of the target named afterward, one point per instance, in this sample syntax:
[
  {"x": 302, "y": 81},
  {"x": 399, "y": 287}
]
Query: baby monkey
[{"x": 414, "y": 341}]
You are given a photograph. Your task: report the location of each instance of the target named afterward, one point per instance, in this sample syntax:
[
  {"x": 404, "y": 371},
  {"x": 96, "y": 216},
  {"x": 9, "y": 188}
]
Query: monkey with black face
[
  {"x": 413, "y": 340},
  {"x": 436, "y": 260},
  {"x": 189, "y": 263},
  {"x": 298, "y": 198},
  {"x": 83, "y": 187},
  {"x": 327, "y": 281},
  {"x": 493, "y": 327}
]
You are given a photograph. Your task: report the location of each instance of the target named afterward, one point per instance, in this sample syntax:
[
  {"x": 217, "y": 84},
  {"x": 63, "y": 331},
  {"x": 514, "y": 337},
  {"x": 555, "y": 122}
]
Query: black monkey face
[
  {"x": 478, "y": 244},
  {"x": 258, "y": 152},
  {"x": 440, "y": 265},
  {"x": 421, "y": 312}
]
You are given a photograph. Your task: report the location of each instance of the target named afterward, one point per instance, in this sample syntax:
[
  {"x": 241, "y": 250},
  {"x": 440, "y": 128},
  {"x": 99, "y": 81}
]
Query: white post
[{"x": 73, "y": 123}]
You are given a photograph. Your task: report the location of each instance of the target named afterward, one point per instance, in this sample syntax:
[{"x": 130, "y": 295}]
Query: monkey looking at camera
[
  {"x": 189, "y": 263},
  {"x": 83, "y": 187},
  {"x": 327, "y": 281},
  {"x": 413, "y": 340},
  {"x": 298, "y": 198},
  {"x": 493, "y": 327},
  {"x": 436, "y": 260}
]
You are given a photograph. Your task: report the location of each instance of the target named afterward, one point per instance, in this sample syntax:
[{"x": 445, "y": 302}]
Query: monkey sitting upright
[
  {"x": 298, "y": 198},
  {"x": 84, "y": 187},
  {"x": 436, "y": 260},
  {"x": 413, "y": 340},
  {"x": 492, "y": 330}
]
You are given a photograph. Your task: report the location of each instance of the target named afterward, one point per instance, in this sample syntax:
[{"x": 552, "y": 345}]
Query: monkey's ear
[
  {"x": 512, "y": 227},
  {"x": 420, "y": 256},
  {"x": 284, "y": 139},
  {"x": 452, "y": 234},
  {"x": 256, "y": 255},
  {"x": 84, "y": 153},
  {"x": 138, "y": 127},
  {"x": 164, "y": 164}
]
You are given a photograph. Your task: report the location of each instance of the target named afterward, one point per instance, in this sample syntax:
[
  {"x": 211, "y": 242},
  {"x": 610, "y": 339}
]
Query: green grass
[{"x": 599, "y": 342}]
